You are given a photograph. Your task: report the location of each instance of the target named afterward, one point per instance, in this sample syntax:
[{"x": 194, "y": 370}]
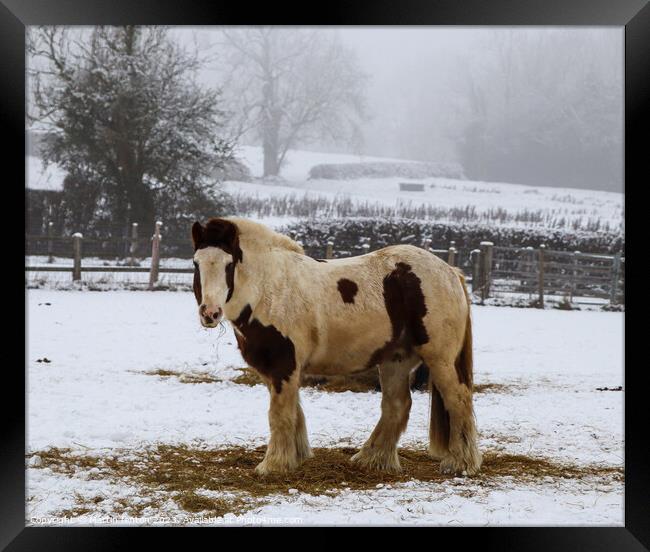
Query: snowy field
[
  {"x": 549, "y": 205},
  {"x": 552, "y": 204},
  {"x": 94, "y": 403}
]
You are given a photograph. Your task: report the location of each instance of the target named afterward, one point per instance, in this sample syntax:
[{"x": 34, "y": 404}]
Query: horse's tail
[
  {"x": 465, "y": 359},
  {"x": 439, "y": 427}
]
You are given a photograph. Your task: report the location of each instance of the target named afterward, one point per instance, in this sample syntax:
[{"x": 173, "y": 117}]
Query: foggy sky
[
  {"x": 419, "y": 77},
  {"x": 420, "y": 80}
]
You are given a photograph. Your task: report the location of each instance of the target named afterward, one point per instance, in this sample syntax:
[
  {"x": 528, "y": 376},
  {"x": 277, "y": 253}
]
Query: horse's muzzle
[{"x": 210, "y": 316}]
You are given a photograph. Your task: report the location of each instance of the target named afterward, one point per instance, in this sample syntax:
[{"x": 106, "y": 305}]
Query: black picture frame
[{"x": 634, "y": 15}]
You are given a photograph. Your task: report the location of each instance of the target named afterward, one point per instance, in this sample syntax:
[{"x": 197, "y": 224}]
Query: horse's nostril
[{"x": 210, "y": 314}]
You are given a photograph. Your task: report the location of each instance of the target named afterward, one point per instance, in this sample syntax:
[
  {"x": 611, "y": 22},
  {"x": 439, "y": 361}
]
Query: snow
[
  {"x": 95, "y": 397},
  {"x": 48, "y": 178},
  {"x": 299, "y": 162},
  {"x": 555, "y": 203},
  {"x": 584, "y": 205}
]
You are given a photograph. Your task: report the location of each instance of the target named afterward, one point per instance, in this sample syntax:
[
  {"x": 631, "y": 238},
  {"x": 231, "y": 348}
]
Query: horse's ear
[{"x": 197, "y": 233}]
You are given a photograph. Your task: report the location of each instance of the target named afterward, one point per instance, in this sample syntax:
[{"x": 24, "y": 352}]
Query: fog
[
  {"x": 550, "y": 94},
  {"x": 530, "y": 105},
  {"x": 533, "y": 105}
]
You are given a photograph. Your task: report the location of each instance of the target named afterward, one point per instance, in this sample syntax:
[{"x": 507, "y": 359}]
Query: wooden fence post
[
  {"x": 616, "y": 272},
  {"x": 155, "y": 255},
  {"x": 540, "y": 281},
  {"x": 475, "y": 256},
  {"x": 451, "y": 255},
  {"x": 134, "y": 242},
  {"x": 50, "y": 241},
  {"x": 329, "y": 251},
  {"x": 529, "y": 261},
  {"x": 486, "y": 268},
  {"x": 76, "y": 246},
  {"x": 574, "y": 273}
]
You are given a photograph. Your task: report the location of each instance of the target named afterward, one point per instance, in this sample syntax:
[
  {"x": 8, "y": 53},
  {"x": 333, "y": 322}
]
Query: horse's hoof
[
  {"x": 262, "y": 469},
  {"x": 451, "y": 466},
  {"x": 375, "y": 462},
  {"x": 272, "y": 468},
  {"x": 305, "y": 454},
  {"x": 356, "y": 457}
]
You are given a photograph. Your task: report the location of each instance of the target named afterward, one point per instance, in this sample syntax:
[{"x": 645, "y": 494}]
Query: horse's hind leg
[
  {"x": 452, "y": 431},
  {"x": 303, "y": 450},
  {"x": 380, "y": 450}
]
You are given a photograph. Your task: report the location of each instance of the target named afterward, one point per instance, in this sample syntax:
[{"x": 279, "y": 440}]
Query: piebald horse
[{"x": 392, "y": 309}]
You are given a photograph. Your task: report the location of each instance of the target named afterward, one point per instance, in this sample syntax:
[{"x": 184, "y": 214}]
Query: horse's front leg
[{"x": 288, "y": 443}]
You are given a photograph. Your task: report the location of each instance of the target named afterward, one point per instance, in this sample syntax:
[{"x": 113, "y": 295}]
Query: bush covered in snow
[
  {"x": 234, "y": 169},
  {"x": 350, "y": 234},
  {"x": 380, "y": 169}
]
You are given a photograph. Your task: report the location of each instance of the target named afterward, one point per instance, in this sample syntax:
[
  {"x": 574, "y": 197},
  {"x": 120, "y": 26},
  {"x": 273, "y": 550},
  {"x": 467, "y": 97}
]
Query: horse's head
[{"x": 216, "y": 254}]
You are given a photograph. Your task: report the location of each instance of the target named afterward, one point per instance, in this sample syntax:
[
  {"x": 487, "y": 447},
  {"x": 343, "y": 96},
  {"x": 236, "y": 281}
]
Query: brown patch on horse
[
  {"x": 348, "y": 289},
  {"x": 196, "y": 284},
  {"x": 230, "y": 279},
  {"x": 405, "y": 306},
  {"x": 219, "y": 233},
  {"x": 265, "y": 348},
  {"x": 223, "y": 234}
]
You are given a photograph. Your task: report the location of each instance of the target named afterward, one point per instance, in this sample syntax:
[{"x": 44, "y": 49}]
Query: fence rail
[{"x": 490, "y": 270}]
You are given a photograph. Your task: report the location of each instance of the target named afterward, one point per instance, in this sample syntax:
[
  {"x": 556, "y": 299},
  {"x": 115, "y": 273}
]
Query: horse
[{"x": 390, "y": 309}]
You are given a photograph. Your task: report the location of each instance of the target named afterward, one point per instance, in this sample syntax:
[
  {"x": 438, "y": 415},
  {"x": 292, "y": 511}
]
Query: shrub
[
  {"x": 233, "y": 170},
  {"x": 350, "y": 235},
  {"x": 383, "y": 169}
]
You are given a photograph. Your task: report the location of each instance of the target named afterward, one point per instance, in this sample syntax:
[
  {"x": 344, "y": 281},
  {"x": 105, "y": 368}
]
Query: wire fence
[{"x": 563, "y": 275}]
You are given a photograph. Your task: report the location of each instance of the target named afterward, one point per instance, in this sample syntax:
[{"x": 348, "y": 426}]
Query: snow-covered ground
[
  {"x": 94, "y": 397},
  {"x": 553, "y": 203},
  {"x": 298, "y": 163}
]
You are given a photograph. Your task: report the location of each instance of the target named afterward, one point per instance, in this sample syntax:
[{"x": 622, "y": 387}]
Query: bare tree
[
  {"x": 290, "y": 86},
  {"x": 543, "y": 108}
]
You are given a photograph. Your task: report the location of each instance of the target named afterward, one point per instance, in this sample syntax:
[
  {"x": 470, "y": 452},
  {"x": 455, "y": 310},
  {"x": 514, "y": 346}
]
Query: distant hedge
[
  {"x": 234, "y": 170},
  {"x": 350, "y": 234},
  {"x": 385, "y": 169}
]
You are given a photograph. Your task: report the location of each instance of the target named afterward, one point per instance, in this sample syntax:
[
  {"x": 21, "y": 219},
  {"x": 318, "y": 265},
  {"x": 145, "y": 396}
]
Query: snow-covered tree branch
[{"x": 137, "y": 136}]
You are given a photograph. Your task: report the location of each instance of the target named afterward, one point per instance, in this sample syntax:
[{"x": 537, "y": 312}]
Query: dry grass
[
  {"x": 247, "y": 377},
  {"x": 492, "y": 388},
  {"x": 183, "y": 473},
  {"x": 358, "y": 383},
  {"x": 361, "y": 382},
  {"x": 185, "y": 377}
]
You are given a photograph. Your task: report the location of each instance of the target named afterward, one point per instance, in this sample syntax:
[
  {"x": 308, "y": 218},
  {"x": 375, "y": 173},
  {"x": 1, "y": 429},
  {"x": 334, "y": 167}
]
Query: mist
[{"x": 534, "y": 105}]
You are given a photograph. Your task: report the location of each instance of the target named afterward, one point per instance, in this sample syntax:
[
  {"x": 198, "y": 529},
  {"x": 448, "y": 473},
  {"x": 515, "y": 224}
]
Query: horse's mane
[{"x": 251, "y": 232}]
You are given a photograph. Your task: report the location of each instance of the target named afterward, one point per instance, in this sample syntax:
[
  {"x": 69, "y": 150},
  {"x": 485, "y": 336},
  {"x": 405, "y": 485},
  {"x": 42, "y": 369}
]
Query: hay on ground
[{"x": 183, "y": 473}]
